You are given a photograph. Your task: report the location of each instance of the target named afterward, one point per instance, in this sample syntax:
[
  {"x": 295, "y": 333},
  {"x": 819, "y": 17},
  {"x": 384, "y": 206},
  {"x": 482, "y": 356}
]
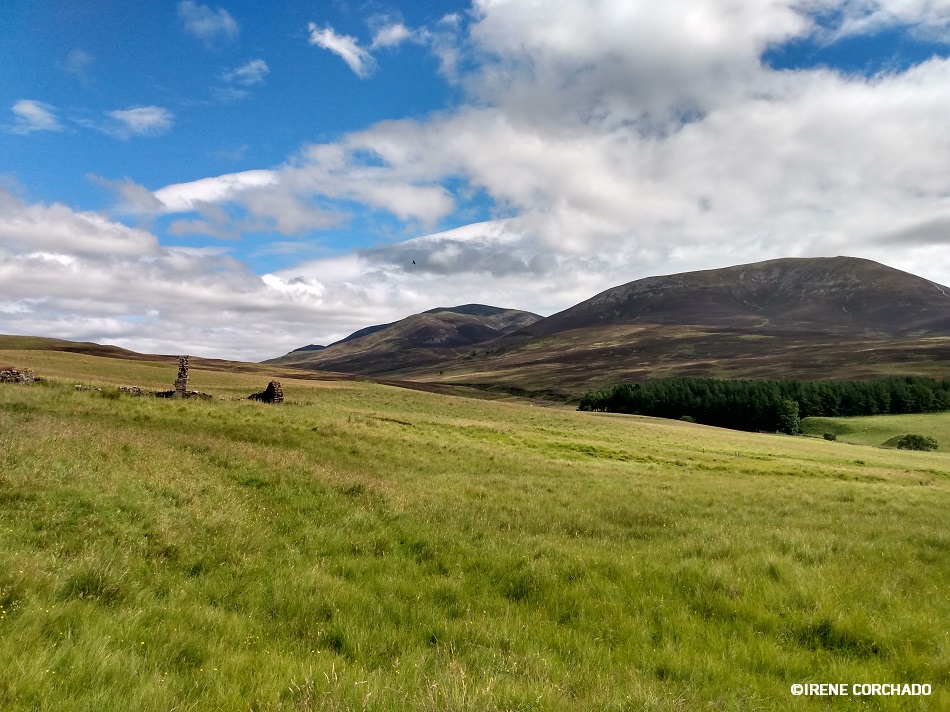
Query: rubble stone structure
[
  {"x": 181, "y": 384},
  {"x": 272, "y": 394},
  {"x": 14, "y": 375}
]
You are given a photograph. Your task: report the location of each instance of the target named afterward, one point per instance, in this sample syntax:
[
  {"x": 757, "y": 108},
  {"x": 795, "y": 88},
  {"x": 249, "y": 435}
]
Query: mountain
[
  {"x": 815, "y": 318},
  {"x": 433, "y": 336},
  {"x": 835, "y": 292}
]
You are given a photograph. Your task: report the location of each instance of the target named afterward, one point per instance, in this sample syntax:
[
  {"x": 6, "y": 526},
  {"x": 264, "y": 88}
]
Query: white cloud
[
  {"x": 207, "y": 24},
  {"x": 183, "y": 197},
  {"x": 248, "y": 74},
  {"x": 56, "y": 229},
  {"x": 654, "y": 133},
  {"x": 282, "y": 196},
  {"x": 285, "y": 212},
  {"x": 626, "y": 138},
  {"x": 142, "y": 120},
  {"x": 391, "y": 35},
  {"x": 81, "y": 276},
  {"x": 345, "y": 47},
  {"x": 31, "y": 116},
  {"x": 929, "y": 19}
]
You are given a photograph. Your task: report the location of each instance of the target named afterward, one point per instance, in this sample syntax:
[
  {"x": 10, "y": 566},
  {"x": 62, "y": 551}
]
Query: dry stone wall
[
  {"x": 15, "y": 375},
  {"x": 272, "y": 394}
]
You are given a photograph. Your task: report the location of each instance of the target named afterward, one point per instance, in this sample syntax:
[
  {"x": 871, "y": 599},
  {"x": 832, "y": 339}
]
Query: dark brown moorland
[{"x": 814, "y": 318}]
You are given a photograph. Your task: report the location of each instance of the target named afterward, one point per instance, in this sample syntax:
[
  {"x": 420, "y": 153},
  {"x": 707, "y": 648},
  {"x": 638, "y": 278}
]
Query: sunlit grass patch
[{"x": 367, "y": 547}]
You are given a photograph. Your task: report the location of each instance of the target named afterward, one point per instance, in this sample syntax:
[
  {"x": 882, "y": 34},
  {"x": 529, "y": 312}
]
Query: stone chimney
[{"x": 181, "y": 384}]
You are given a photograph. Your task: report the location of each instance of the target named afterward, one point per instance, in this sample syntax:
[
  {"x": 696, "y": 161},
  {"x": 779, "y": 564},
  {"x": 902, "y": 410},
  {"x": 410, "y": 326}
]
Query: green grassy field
[
  {"x": 877, "y": 430},
  {"x": 365, "y": 547}
]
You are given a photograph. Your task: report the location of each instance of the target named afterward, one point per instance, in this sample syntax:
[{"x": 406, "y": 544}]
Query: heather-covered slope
[
  {"x": 430, "y": 337},
  {"x": 813, "y": 293}
]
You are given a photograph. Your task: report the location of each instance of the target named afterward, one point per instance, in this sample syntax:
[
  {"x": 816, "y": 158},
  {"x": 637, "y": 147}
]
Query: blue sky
[
  {"x": 237, "y": 179},
  {"x": 229, "y": 89}
]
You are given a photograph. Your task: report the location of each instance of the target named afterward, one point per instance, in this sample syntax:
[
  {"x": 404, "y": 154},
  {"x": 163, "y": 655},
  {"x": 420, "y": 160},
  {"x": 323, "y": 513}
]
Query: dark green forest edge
[{"x": 772, "y": 406}]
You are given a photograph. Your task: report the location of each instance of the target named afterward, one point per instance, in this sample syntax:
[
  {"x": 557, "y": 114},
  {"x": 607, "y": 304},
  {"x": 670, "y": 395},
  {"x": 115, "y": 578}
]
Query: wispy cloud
[
  {"x": 31, "y": 116},
  {"x": 133, "y": 198},
  {"x": 142, "y": 120},
  {"x": 344, "y": 46},
  {"x": 248, "y": 74},
  {"x": 77, "y": 63},
  {"x": 206, "y": 24},
  {"x": 235, "y": 83}
]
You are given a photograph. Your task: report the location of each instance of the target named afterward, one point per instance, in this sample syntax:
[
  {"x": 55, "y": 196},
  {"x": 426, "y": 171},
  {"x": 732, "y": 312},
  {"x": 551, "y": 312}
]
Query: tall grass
[{"x": 363, "y": 547}]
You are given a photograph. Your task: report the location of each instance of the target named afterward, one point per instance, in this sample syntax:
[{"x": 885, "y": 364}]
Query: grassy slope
[
  {"x": 367, "y": 547},
  {"x": 878, "y": 429}
]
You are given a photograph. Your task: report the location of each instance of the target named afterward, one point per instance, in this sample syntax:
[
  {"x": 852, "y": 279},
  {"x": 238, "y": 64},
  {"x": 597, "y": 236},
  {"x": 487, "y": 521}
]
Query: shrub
[
  {"x": 916, "y": 441},
  {"x": 688, "y": 419},
  {"x": 830, "y": 436}
]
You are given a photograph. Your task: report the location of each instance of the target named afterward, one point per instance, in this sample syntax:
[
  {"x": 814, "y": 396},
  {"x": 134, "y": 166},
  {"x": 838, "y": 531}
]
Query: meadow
[
  {"x": 368, "y": 547},
  {"x": 879, "y": 429}
]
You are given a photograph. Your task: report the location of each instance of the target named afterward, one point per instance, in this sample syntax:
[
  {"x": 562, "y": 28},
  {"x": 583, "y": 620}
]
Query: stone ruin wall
[
  {"x": 15, "y": 375},
  {"x": 181, "y": 383},
  {"x": 272, "y": 394}
]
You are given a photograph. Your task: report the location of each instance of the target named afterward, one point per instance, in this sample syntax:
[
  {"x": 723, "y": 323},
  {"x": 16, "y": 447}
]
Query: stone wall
[
  {"x": 15, "y": 375},
  {"x": 272, "y": 394}
]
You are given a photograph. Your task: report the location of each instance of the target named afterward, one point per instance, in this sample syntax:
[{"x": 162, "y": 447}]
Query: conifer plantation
[{"x": 771, "y": 406}]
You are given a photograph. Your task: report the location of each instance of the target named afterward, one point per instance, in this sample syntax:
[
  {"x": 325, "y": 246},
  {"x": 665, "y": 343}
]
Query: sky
[{"x": 239, "y": 179}]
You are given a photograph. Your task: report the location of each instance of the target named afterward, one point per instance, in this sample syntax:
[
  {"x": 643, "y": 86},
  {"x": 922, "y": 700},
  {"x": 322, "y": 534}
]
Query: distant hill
[
  {"x": 816, "y": 318},
  {"x": 430, "y": 337},
  {"x": 42, "y": 343},
  {"x": 309, "y": 347}
]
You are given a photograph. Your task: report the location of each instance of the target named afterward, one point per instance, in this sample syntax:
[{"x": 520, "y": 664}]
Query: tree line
[{"x": 774, "y": 406}]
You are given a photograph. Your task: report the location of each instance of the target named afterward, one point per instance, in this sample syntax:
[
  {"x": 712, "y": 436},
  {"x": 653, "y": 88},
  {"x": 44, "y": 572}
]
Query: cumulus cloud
[
  {"x": 142, "y": 120},
  {"x": 56, "y": 229},
  {"x": 206, "y": 24},
  {"x": 344, "y": 46},
  {"x": 31, "y": 116},
  {"x": 284, "y": 212},
  {"x": 624, "y": 138},
  {"x": 653, "y": 132},
  {"x": 78, "y": 275}
]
